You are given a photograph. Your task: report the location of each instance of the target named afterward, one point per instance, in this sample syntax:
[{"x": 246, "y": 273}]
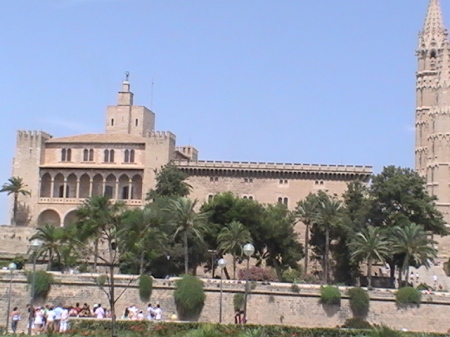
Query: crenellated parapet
[
  {"x": 32, "y": 137},
  {"x": 275, "y": 170}
]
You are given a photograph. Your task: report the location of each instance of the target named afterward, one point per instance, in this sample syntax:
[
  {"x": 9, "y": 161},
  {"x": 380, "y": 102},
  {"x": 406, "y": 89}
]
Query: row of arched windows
[{"x": 108, "y": 155}]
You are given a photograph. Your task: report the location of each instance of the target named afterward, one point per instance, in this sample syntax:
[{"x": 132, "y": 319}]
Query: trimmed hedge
[
  {"x": 189, "y": 297},
  {"x": 145, "y": 288},
  {"x": 359, "y": 302},
  {"x": 42, "y": 284},
  {"x": 408, "y": 296},
  {"x": 356, "y": 323},
  {"x": 330, "y": 295}
]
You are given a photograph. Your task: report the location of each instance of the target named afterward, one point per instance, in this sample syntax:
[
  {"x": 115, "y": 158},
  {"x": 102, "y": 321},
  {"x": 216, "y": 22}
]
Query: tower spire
[{"x": 434, "y": 24}]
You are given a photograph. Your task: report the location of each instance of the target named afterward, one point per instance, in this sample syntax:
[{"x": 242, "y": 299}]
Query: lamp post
[
  {"x": 248, "y": 249},
  {"x": 12, "y": 267},
  {"x": 35, "y": 245},
  {"x": 222, "y": 264}
]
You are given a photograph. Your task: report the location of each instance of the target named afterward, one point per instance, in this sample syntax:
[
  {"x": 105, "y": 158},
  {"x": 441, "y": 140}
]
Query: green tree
[
  {"x": 16, "y": 187},
  {"x": 170, "y": 182},
  {"x": 231, "y": 240},
  {"x": 328, "y": 217},
  {"x": 52, "y": 239},
  {"x": 282, "y": 248},
  {"x": 306, "y": 212},
  {"x": 370, "y": 245},
  {"x": 186, "y": 220},
  {"x": 412, "y": 242}
]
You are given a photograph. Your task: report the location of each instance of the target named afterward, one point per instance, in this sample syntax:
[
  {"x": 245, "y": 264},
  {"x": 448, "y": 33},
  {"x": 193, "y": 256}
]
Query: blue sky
[{"x": 303, "y": 81}]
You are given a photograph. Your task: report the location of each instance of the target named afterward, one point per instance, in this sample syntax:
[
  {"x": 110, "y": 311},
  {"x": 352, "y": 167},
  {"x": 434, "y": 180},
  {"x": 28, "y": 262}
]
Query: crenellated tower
[{"x": 432, "y": 152}]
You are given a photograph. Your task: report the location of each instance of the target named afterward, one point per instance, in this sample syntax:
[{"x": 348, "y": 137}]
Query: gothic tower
[{"x": 432, "y": 152}]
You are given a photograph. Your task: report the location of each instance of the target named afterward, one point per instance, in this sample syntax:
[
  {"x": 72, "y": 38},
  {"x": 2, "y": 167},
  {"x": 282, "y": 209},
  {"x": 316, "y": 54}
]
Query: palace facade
[{"x": 120, "y": 163}]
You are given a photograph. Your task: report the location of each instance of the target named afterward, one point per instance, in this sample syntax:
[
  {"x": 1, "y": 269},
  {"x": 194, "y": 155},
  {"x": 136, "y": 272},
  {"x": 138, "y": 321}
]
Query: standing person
[
  {"x": 417, "y": 277},
  {"x": 158, "y": 312},
  {"x": 64, "y": 322},
  {"x": 38, "y": 320},
  {"x": 50, "y": 326},
  {"x": 77, "y": 308},
  {"x": 15, "y": 318},
  {"x": 58, "y": 311},
  {"x": 435, "y": 281},
  {"x": 99, "y": 312},
  {"x": 150, "y": 312}
]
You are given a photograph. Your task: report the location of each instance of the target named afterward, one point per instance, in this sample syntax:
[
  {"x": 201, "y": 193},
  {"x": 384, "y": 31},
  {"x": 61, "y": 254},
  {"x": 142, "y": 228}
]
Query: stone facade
[
  {"x": 268, "y": 304},
  {"x": 120, "y": 163}
]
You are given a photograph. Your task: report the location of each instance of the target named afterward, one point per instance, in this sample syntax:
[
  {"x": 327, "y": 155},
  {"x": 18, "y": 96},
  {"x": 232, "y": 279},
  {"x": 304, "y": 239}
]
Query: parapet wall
[{"x": 268, "y": 304}]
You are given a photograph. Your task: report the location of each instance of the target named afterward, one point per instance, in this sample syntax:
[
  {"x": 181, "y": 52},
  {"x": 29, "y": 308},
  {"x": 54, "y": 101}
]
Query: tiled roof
[{"x": 103, "y": 138}]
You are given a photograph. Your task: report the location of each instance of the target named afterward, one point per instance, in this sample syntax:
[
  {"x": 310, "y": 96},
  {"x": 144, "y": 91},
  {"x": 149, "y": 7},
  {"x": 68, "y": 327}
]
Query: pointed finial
[
  {"x": 127, "y": 76},
  {"x": 434, "y": 24}
]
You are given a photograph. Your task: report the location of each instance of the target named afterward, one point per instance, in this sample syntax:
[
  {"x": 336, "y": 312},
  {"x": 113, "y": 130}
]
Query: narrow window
[
  {"x": 250, "y": 180},
  {"x": 131, "y": 156},
  {"x": 106, "y": 156},
  {"x": 91, "y": 155},
  {"x": 285, "y": 181},
  {"x": 63, "y": 155},
  {"x": 280, "y": 200},
  {"x": 61, "y": 191},
  {"x": 250, "y": 197},
  {"x": 216, "y": 179},
  {"x": 211, "y": 179},
  {"x": 245, "y": 180},
  {"x": 111, "y": 156},
  {"x": 244, "y": 197},
  {"x": 137, "y": 122},
  {"x": 127, "y": 156},
  {"x": 112, "y": 121},
  {"x": 285, "y": 201},
  {"x": 281, "y": 181},
  {"x": 69, "y": 155},
  {"x": 85, "y": 155},
  {"x": 210, "y": 197}
]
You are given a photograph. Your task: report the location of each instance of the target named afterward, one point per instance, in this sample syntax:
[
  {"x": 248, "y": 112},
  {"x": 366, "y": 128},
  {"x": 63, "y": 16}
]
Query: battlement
[
  {"x": 211, "y": 164},
  {"x": 161, "y": 135},
  {"x": 190, "y": 152},
  {"x": 30, "y": 135}
]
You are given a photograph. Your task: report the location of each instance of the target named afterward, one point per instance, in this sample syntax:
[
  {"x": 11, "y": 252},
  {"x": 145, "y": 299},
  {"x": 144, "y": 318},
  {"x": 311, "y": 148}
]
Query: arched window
[
  {"x": 85, "y": 155},
  {"x": 106, "y": 156},
  {"x": 285, "y": 201},
  {"x": 111, "y": 156},
  {"x": 63, "y": 155},
  {"x": 280, "y": 200},
  {"x": 91, "y": 155},
  {"x": 69, "y": 154},
  {"x": 131, "y": 156},
  {"x": 126, "y": 156}
]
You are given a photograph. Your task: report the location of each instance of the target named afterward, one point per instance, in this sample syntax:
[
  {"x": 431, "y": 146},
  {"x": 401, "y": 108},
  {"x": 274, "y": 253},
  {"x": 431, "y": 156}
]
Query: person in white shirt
[
  {"x": 99, "y": 312},
  {"x": 64, "y": 323},
  {"x": 158, "y": 313},
  {"x": 50, "y": 326},
  {"x": 150, "y": 314}
]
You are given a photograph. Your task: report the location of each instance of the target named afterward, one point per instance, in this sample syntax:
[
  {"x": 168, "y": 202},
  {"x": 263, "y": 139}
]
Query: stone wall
[{"x": 268, "y": 304}]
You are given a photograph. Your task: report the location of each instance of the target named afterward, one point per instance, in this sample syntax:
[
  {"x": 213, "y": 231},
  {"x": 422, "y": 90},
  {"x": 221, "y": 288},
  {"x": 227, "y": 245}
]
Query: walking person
[
  {"x": 15, "y": 318},
  {"x": 158, "y": 312}
]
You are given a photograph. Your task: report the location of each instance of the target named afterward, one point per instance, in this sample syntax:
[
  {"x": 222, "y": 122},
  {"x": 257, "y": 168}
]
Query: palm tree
[
  {"x": 413, "y": 243},
  {"x": 306, "y": 212},
  {"x": 94, "y": 215},
  {"x": 185, "y": 219},
  {"x": 15, "y": 186},
  {"x": 231, "y": 240},
  {"x": 328, "y": 215},
  {"x": 369, "y": 245},
  {"x": 52, "y": 239}
]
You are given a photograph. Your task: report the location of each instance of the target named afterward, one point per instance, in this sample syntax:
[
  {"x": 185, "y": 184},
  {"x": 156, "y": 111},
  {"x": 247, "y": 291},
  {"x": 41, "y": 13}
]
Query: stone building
[
  {"x": 120, "y": 163},
  {"x": 432, "y": 152}
]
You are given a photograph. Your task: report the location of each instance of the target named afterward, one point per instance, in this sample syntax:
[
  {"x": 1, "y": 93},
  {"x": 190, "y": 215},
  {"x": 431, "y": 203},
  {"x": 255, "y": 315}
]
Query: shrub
[
  {"x": 424, "y": 286},
  {"x": 295, "y": 288},
  {"x": 407, "y": 296},
  {"x": 359, "y": 302},
  {"x": 356, "y": 323},
  {"x": 330, "y": 295},
  {"x": 238, "y": 301},
  {"x": 384, "y": 331},
  {"x": 189, "y": 297},
  {"x": 42, "y": 284},
  {"x": 292, "y": 275},
  {"x": 257, "y": 274},
  {"x": 145, "y": 288}
]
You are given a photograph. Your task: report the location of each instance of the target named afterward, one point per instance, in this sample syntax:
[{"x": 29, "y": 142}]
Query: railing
[{"x": 46, "y": 200}]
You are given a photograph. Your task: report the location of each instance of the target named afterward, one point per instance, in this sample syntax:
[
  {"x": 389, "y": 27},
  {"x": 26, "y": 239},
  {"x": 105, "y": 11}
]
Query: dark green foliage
[
  {"x": 330, "y": 295},
  {"x": 359, "y": 302},
  {"x": 189, "y": 297},
  {"x": 384, "y": 331},
  {"x": 238, "y": 301},
  {"x": 170, "y": 182},
  {"x": 42, "y": 284},
  {"x": 424, "y": 286},
  {"x": 145, "y": 288},
  {"x": 356, "y": 323},
  {"x": 292, "y": 275},
  {"x": 295, "y": 288},
  {"x": 407, "y": 296}
]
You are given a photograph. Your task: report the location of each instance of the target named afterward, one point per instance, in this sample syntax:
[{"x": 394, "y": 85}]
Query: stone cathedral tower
[{"x": 432, "y": 153}]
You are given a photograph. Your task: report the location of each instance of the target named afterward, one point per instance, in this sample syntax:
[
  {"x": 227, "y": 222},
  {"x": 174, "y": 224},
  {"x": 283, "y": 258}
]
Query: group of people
[{"x": 134, "y": 313}]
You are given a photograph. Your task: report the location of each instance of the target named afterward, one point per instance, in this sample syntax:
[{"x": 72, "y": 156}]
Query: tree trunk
[
  {"x": 406, "y": 268},
  {"x": 185, "y": 239},
  {"x": 95, "y": 254},
  {"x": 234, "y": 267},
  {"x": 278, "y": 270},
  {"x": 327, "y": 249},
  {"x": 14, "y": 218},
  {"x": 112, "y": 301},
  {"x": 369, "y": 274},
  {"x": 141, "y": 264},
  {"x": 306, "y": 248}
]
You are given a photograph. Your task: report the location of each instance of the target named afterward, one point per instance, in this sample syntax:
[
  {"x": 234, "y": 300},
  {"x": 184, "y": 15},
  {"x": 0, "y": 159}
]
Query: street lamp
[
  {"x": 248, "y": 249},
  {"x": 35, "y": 245},
  {"x": 12, "y": 266},
  {"x": 222, "y": 264}
]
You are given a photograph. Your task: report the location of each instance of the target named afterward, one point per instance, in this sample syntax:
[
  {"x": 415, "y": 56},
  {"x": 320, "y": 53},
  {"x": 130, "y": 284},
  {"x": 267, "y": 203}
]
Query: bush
[
  {"x": 359, "y": 302},
  {"x": 424, "y": 286},
  {"x": 189, "y": 297},
  {"x": 356, "y": 323},
  {"x": 257, "y": 274},
  {"x": 295, "y": 288},
  {"x": 145, "y": 288},
  {"x": 42, "y": 284},
  {"x": 407, "y": 296},
  {"x": 238, "y": 301},
  {"x": 384, "y": 331},
  {"x": 330, "y": 295},
  {"x": 292, "y": 275}
]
